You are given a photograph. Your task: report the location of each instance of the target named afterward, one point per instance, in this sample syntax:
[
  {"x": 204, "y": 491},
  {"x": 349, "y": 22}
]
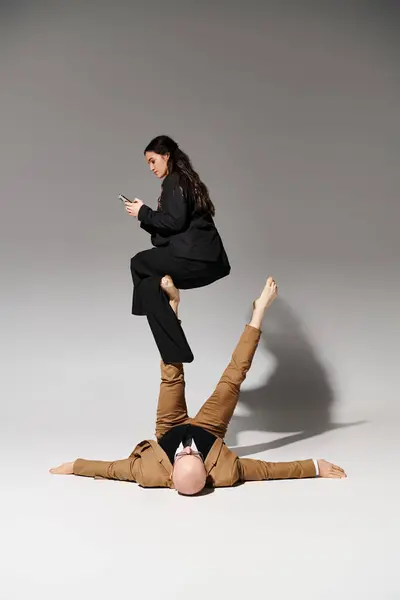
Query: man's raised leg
[
  {"x": 217, "y": 411},
  {"x": 171, "y": 409}
]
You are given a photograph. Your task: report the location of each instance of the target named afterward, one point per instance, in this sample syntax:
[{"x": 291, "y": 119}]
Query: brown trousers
[{"x": 217, "y": 411}]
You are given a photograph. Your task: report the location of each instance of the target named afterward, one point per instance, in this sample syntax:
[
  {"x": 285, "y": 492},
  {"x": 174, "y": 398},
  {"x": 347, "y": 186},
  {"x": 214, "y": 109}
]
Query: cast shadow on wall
[{"x": 296, "y": 399}]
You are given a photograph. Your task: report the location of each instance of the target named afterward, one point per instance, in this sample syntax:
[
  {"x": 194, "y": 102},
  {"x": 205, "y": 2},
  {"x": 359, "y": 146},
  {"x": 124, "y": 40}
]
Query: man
[{"x": 190, "y": 453}]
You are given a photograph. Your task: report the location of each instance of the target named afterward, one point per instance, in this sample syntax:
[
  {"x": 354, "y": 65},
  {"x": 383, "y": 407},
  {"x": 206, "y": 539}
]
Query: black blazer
[{"x": 175, "y": 223}]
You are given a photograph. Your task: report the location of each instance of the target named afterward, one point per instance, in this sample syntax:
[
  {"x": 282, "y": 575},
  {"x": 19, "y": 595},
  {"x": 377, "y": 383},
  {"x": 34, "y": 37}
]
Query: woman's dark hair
[{"x": 179, "y": 163}]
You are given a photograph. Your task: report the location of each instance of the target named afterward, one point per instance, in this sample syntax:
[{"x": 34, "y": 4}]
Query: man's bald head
[{"x": 189, "y": 474}]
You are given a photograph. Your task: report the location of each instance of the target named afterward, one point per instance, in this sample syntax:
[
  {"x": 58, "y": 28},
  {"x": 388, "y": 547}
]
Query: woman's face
[{"x": 158, "y": 163}]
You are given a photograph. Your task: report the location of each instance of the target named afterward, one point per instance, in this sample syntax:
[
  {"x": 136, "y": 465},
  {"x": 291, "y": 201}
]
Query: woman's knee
[{"x": 139, "y": 261}]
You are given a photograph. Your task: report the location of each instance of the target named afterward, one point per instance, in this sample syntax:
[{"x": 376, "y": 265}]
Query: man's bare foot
[
  {"x": 172, "y": 292},
  {"x": 64, "y": 469},
  {"x": 267, "y": 296},
  {"x": 327, "y": 469}
]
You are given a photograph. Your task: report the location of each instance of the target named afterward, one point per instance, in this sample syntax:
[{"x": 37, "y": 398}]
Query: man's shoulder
[
  {"x": 223, "y": 466},
  {"x": 143, "y": 445},
  {"x": 152, "y": 467}
]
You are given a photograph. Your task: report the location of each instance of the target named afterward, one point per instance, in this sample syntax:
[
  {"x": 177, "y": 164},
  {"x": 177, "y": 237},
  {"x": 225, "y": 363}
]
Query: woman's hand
[{"x": 132, "y": 208}]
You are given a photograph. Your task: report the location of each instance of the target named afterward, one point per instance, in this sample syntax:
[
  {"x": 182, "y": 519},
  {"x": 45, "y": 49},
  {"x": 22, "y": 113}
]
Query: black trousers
[{"x": 148, "y": 268}]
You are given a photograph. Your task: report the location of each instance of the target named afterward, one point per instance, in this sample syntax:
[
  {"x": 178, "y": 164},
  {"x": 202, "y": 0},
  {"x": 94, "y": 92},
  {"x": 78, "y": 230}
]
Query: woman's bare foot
[
  {"x": 267, "y": 296},
  {"x": 64, "y": 469},
  {"x": 172, "y": 292}
]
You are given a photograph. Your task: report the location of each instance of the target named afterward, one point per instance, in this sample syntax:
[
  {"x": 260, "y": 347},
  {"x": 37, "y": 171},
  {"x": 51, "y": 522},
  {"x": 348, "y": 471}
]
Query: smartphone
[{"x": 124, "y": 199}]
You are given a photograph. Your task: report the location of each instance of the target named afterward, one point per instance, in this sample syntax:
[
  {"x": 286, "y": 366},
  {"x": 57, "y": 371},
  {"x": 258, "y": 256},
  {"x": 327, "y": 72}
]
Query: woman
[{"x": 187, "y": 245}]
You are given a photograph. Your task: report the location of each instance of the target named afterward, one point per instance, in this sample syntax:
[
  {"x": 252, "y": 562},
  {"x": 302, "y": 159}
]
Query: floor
[{"x": 70, "y": 537}]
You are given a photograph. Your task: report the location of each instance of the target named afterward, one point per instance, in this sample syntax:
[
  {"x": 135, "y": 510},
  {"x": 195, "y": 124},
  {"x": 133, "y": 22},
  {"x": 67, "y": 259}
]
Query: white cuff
[{"x": 316, "y": 467}]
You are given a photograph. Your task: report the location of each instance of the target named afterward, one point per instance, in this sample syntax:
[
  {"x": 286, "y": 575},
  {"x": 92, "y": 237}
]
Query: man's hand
[
  {"x": 64, "y": 469},
  {"x": 132, "y": 208},
  {"x": 327, "y": 469}
]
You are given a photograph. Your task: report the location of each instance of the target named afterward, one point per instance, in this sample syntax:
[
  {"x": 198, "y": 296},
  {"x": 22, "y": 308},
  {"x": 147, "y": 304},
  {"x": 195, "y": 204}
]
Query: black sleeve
[
  {"x": 173, "y": 215},
  {"x": 147, "y": 228}
]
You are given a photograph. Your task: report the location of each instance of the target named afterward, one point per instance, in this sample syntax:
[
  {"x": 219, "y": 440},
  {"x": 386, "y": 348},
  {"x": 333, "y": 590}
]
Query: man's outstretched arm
[
  {"x": 257, "y": 470},
  {"x": 119, "y": 469}
]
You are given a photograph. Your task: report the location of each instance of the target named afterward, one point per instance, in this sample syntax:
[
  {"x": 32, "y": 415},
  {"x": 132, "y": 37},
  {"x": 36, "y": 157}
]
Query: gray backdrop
[
  {"x": 290, "y": 113},
  {"x": 291, "y": 118}
]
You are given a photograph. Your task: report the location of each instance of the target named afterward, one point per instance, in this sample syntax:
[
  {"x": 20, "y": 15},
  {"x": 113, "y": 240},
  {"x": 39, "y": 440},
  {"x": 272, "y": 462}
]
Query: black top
[
  {"x": 170, "y": 441},
  {"x": 177, "y": 224}
]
